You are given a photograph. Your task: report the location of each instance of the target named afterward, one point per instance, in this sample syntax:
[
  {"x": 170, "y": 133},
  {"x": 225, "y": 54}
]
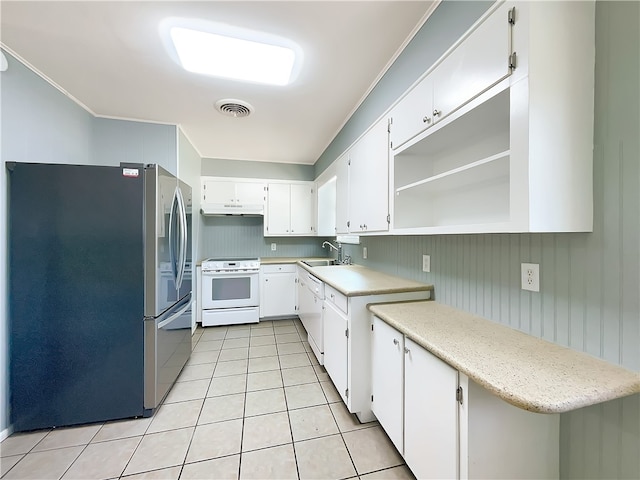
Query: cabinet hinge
[
  {"x": 348, "y": 223},
  {"x": 349, "y": 162},
  {"x": 388, "y": 218},
  {"x": 511, "y": 16},
  {"x": 346, "y": 393},
  {"x": 513, "y": 60},
  {"x": 346, "y": 333},
  {"x": 389, "y": 122},
  {"x": 459, "y": 395}
]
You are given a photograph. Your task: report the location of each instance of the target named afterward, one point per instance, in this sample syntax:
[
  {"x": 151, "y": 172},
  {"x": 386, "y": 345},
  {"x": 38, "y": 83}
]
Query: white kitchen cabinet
[
  {"x": 430, "y": 414},
  {"x": 476, "y": 65},
  {"x": 336, "y": 346},
  {"x": 289, "y": 209},
  {"x": 510, "y": 152},
  {"x": 369, "y": 180},
  {"x": 278, "y": 290},
  {"x": 232, "y": 192},
  {"x": 447, "y": 426},
  {"x": 387, "y": 382},
  {"x": 347, "y": 344},
  {"x": 342, "y": 194},
  {"x": 412, "y": 114}
]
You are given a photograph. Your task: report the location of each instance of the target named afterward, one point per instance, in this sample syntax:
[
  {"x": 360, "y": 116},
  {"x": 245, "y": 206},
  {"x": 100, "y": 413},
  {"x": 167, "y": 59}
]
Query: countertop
[
  {"x": 524, "y": 370},
  {"x": 356, "y": 280}
]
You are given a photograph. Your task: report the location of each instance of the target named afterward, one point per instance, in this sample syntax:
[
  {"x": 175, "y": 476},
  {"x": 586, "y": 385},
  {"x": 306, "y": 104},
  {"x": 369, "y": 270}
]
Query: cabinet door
[
  {"x": 342, "y": 194},
  {"x": 369, "y": 177},
  {"x": 413, "y": 113},
  {"x": 278, "y": 294},
  {"x": 220, "y": 192},
  {"x": 301, "y": 209},
  {"x": 278, "y": 206},
  {"x": 479, "y": 62},
  {"x": 387, "y": 381},
  {"x": 336, "y": 348},
  {"x": 430, "y": 415},
  {"x": 248, "y": 193}
]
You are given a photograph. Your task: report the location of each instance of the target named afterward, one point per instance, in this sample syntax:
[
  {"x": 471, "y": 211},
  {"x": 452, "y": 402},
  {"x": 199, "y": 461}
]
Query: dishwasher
[{"x": 310, "y": 299}]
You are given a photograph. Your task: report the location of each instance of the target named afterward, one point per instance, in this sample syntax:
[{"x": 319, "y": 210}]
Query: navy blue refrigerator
[{"x": 99, "y": 291}]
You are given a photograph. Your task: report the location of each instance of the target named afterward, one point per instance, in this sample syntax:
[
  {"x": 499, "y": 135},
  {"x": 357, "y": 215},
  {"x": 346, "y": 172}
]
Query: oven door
[{"x": 229, "y": 290}]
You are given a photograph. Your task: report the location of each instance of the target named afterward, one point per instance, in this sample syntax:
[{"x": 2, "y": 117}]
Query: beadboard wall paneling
[{"x": 236, "y": 236}]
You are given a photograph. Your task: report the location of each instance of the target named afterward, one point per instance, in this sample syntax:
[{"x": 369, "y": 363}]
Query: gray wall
[
  {"x": 246, "y": 169},
  {"x": 589, "y": 298},
  {"x": 116, "y": 141}
]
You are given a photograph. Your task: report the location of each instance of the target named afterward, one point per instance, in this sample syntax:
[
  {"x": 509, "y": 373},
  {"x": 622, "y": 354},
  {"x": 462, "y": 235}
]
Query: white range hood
[{"x": 227, "y": 209}]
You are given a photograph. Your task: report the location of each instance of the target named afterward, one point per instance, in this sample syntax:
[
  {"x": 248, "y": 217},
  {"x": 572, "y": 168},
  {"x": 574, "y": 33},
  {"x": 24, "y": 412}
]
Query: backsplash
[{"x": 237, "y": 236}]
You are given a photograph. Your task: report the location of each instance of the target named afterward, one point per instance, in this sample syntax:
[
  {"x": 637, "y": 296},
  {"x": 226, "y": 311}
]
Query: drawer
[
  {"x": 279, "y": 268},
  {"x": 338, "y": 299}
]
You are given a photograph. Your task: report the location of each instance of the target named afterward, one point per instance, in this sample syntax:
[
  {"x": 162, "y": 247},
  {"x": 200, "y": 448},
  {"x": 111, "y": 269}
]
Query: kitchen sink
[{"x": 319, "y": 263}]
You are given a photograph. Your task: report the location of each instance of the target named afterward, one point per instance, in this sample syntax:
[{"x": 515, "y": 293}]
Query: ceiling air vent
[{"x": 234, "y": 108}]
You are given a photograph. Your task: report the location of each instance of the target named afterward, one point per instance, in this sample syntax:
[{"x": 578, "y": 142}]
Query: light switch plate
[
  {"x": 364, "y": 253},
  {"x": 426, "y": 263}
]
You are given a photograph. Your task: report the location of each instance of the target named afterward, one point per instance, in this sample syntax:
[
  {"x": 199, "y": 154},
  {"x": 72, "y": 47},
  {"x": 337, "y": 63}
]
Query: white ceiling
[{"x": 109, "y": 56}]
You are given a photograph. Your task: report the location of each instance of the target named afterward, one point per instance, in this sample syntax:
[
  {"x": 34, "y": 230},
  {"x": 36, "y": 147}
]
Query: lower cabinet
[
  {"x": 347, "y": 344},
  {"x": 447, "y": 426},
  {"x": 278, "y": 290},
  {"x": 336, "y": 347}
]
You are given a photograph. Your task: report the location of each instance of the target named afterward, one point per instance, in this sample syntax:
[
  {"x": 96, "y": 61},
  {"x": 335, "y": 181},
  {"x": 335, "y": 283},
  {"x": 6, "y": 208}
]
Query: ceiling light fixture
[{"x": 229, "y": 52}]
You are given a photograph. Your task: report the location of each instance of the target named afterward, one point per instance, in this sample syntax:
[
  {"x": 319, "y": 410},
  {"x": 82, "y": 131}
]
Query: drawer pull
[{"x": 395, "y": 341}]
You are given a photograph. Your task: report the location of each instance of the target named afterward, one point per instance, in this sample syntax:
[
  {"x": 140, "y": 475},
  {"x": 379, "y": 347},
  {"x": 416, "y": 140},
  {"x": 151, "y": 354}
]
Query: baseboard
[{"x": 5, "y": 433}]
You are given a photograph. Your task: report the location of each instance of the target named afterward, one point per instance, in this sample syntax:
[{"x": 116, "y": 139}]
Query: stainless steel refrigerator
[{"x": 99, "y": 291}]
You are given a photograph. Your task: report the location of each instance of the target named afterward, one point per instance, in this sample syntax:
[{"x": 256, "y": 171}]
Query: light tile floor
[{"x": 252, "y": 403}]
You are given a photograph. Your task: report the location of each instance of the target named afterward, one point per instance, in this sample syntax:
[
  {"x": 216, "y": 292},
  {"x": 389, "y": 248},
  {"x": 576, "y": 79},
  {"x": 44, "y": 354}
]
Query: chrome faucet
[{"x": 337, "y": 249}]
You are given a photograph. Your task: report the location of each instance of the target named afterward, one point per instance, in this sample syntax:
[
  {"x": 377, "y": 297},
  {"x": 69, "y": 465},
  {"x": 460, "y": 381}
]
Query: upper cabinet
[
  {"x": 506, "y": 144},
  {"x": 369, "y": 180},
  {"x": 466, "y": 72},
  {"x": 342, "y": 194},
  {"x": 289, "y": 209},
  {"x": 232, "y": 196}
]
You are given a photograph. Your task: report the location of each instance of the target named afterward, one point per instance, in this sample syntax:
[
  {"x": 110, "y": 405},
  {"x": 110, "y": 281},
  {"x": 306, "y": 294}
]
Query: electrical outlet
[
  {"x": 364, "y": 252},
  {"x": 273, "y": 247},
  {"x": 426, "y": 263},
  {"x": 530, "y": 277}
]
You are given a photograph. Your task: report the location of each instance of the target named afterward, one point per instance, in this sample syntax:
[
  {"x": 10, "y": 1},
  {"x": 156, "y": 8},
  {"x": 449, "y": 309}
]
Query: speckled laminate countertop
[
  {"x": 526, "y": 371},
  {"x": 356, "y": 280}
]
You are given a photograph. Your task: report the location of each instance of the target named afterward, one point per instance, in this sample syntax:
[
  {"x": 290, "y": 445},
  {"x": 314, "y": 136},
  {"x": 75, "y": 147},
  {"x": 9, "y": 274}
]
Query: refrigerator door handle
[
  {"x": 182, "y": 257},
  {"x": 175, "y": 315},
  {"x": 172, "y": 240}
]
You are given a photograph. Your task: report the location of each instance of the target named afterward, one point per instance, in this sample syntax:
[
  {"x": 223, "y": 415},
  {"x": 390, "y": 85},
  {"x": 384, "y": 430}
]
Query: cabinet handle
[
  {"x": 406, "y": 350},
  {"x": 436, "y": 113},
  {"x": 395, "y": 341},
  {"x": 266, "y": 279},
  {"x": 426, "y": 120}
]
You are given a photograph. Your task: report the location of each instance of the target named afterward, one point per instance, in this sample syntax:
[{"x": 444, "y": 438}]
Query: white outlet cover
[
  {"x": 364, "y": 252},
  {"x": 530, "y": 273},
  {"x": 426, "y": 263},
  {"x": 273, "y": 247}
]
